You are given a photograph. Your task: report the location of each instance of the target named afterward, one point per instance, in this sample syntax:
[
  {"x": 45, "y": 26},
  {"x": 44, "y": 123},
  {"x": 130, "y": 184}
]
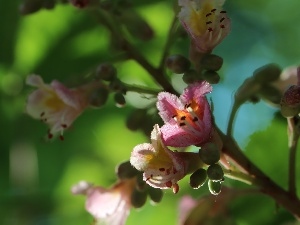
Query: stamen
[
  {"x": 208, "y": 14},
  {"x": 213, "y": 10},
  {"x": 208, "y": 22},
  {"x": 223, "y": 18},
  {"x": 175, "y": 188},
  {"x": 222, "y": 11},
  {"x": 42, "y": 114},
  {"x": 169, "y": 184}
]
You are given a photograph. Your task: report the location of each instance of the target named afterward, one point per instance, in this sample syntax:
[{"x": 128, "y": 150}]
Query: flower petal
[
  {"x": 34, "y": 80},
  {"x": 196, "y": 91}
]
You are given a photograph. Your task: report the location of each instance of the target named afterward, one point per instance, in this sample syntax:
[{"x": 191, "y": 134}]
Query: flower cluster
[{"x": 187, "y": 122}]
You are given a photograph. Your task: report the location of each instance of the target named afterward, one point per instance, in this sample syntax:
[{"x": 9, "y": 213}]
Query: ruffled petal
[
  {"x": 196, "y": 91},
  {"x": 34, "y": 80}
]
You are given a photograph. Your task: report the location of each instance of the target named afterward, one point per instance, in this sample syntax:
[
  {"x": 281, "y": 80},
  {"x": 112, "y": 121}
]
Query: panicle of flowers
[
  {"x": 205, "y": 21},
  {"x": 162, "y": 167},
  {"x": 188, "y": 118},
  {"x": 107, "y": 206},
  {"x": 55, "y": 104}
]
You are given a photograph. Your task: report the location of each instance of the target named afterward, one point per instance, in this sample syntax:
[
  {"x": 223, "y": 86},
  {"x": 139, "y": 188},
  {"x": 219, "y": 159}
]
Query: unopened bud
[
  {"x": 117, "y": 86},
  {"x": 270, "y": 94},
  {"x": 125, "y": 170},
  {"x": 290, "y": 102},
  {"x": 49, "y": 4},
  {"x": 214, "y": 187},
  {"x": 29, "y": 7},
  {"x": 211, "y": 77},
  {"x": 267, "y": 73},
  {"x": 99, "y": 97},
  {"x": 190, "y": 76},
  {"x": 141, "y": 185},
  {"x": 119, "y": 99},
  {"x": 178, "y": 64},
  {"x": 79, "y": 3},
  {"x": 211, "y": 62},
  {"x": 198, "y": 178},
  {"x": 247, "y": 90},
  {"x": 138, "y": 198},
  {"x": 209, "y": 153},
  {"x": 136, "y": 119},
  {"x": 215, "y": 172},
  {"x": 155, "y": 194},
  {"x": 106, "y": 71}
]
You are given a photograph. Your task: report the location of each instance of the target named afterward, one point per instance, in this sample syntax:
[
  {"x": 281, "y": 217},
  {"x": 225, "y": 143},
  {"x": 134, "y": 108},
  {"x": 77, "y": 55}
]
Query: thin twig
[
  {"x": 293, "y": 136},
  {"x": 141, "y": 89},
  {"x": 233, "y": 112}
]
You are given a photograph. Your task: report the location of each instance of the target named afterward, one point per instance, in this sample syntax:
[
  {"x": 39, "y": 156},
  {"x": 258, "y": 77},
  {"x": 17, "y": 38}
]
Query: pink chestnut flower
[
  {"x": 162, "y": 167},
  {"x": 55, "y": 104},
  {"x": 188, "y": 119},
  {"x": 107, "y": 206},
  {"x": 205, "y": 21}
]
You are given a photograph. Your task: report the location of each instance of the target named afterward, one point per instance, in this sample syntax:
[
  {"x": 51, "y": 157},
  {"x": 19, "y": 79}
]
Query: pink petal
[
  {"x": 34, "y": 80},
  {"x": 139, "y": 155},
  {"x": 167, "y": 104},
  {"x": 187, "y": 203},
  {"x": 35, "y": 103},
  {"x": 196, "y": 91},
  {"x": 66, "y": 95}
]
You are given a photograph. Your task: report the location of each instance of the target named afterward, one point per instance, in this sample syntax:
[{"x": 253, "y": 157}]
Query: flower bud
[
  {"x": 209, "y": 153},
  {"x": 178, "y": 64},
  {"x": 141, "y": 185},
  {"x": 215, "y": 172},
  {"x": 106, "y": 71},
  {"x": 125, "y": 170},
  {"x": 198, "y": 178},
  {"x": 211, "y": 62},
  {"x": 247, "y": 90},
  {"x": 138, "y": 198},
  {"x": 117, "y": 86},
  {"x": 190, "y": 76},
  {"x": 290, "y": 102},
  {"x": 155, "y": 194},
  {"x": 267, "y": 73},
  {"x": 136, "y": 119},
  {"x": 30, "y": 6},
  {"x": 99, "y": 97},
  {"x": 214, "y": 187},
  {"x": 211, "y": 77},
  {"x": 119, "y": 99},
  {"x": 270, "y": 93}
]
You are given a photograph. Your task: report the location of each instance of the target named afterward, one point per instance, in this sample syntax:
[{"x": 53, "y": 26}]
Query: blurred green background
[{"x": 66, "y": 43}]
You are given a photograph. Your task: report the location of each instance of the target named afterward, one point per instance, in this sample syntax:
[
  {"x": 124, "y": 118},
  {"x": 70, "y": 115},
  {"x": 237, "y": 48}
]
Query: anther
[
  {"x": 50, "y": 135},
  {"x": 64, "y": 126},
  {"x": 169, "y": 184},
  {"x": 223, "y": 18},
  {"x": 222, "y": 26},
  {"x": 181, "y": 124},
  {"x": 61, "y": 137},
  {"x": 208, "y": 22},
  {"x": 183, "y": 118},
  {"x": 223, "y": 11},
  {"x": 162, "y": 169},
  {"x": 42, "y": 114},
  {"x": 213, "y": 10},
  {"x": 208, "y": 14},
  {"x": 195, "y": 119},
  {"x": 210, "y": 29}
]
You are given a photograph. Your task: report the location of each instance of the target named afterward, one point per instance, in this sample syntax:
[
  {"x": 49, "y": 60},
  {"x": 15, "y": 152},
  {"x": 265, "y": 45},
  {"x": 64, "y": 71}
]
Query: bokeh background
[{"x": 67, "y": 43}]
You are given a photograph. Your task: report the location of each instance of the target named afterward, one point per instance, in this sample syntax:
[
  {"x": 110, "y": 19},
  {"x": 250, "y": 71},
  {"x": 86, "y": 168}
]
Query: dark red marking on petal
[
  {"x": 161, "y": 169},
  {"x": 222, "y": 26},
  {"x": 174, "y": 171},
  {"x": 183, "y": 118},
  {"x": 168, "y": 171},
  {"x": 210, "y": 29}
]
